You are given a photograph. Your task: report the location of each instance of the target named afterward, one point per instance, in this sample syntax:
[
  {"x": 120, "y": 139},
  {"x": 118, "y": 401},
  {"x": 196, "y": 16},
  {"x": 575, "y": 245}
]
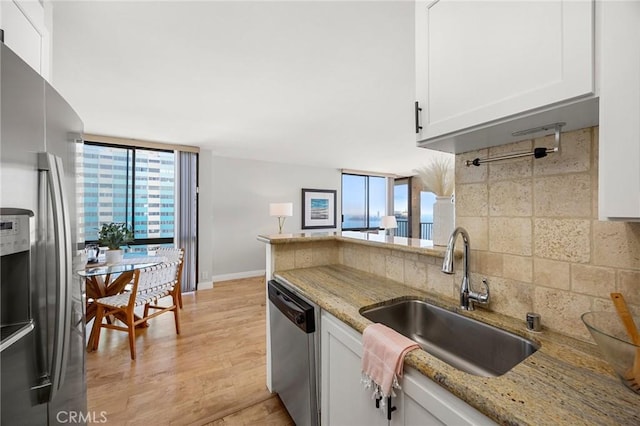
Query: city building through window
[{"x": 129, "y": 185}]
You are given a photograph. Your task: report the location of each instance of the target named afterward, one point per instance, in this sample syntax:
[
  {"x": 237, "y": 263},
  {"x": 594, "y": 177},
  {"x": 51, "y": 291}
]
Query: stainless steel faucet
[{"x": 467, "y": 296}]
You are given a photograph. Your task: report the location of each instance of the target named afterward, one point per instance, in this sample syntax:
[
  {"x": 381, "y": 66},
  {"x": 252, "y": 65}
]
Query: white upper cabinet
[
  {"x": 486, "y": 69},
  {"x": 619, "y": 134},
  {"x": 26, "y": 33}
]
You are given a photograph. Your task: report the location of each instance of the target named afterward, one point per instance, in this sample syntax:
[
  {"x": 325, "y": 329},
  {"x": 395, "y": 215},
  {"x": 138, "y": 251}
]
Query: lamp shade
[
  {"x": 281, "y": 209},
  {"x": 388, "y": 222}
]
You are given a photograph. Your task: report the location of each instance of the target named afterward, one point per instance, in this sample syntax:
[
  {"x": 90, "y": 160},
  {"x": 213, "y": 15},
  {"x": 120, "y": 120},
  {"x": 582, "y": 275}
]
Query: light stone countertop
[
  {"x": 410, "y": 245},
  {"x": 565, "y": 382}
]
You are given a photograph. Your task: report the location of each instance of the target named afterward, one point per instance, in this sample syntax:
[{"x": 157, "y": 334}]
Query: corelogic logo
[{"x": 78, "y": 417}]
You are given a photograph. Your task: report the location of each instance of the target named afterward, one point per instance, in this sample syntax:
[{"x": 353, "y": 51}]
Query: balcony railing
[
  {"x": 403, "y": 228},
  {"x": 426, "y": 229}
]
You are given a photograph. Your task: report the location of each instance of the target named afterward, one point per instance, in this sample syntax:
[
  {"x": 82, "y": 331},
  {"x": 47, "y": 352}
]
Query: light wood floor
[{"x": 213, "y": 373}]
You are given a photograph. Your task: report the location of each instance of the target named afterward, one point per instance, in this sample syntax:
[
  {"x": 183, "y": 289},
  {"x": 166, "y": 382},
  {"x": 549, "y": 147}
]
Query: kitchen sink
[{"x": 460, "y": 341}]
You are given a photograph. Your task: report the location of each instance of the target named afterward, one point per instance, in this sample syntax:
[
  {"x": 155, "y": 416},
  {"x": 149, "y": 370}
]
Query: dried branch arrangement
[{"x": 438, "y": 177}]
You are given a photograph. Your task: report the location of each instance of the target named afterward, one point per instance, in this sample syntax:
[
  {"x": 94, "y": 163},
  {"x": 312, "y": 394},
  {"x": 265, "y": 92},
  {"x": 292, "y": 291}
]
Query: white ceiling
[{"x": 318, "y": 83}]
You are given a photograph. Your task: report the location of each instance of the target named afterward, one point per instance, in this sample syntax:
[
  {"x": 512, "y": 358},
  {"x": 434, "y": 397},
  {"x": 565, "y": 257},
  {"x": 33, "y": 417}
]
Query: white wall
[{"x": 242, "y": 191}]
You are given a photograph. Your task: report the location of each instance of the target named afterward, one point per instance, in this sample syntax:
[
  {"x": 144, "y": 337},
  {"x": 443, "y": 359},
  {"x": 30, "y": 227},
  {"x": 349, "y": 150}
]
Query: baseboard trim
[
  {"x": 237, "y": 275},
  {"x": 205, "y": 285}
]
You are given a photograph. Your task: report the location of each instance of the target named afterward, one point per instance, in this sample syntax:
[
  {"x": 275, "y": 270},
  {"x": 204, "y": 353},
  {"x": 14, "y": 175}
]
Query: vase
[
  {"x": 113, "y": 256},
  {"x": 443, "y": 220}
]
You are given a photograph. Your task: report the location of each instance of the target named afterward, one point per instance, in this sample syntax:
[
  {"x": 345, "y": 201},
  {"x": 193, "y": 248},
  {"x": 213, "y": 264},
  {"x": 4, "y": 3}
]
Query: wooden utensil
[{"x": 633, "y": 375}]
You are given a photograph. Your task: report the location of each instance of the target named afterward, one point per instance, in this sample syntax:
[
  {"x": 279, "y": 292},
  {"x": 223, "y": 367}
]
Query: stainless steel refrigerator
[{"x": 41, "y": 301}]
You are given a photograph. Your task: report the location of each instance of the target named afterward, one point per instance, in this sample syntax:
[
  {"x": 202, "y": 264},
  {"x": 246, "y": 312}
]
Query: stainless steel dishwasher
[{"x": 293, "y": 353}]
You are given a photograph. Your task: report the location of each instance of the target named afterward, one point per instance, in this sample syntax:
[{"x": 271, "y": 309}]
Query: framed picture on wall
[{"x": 318, "y": 208}]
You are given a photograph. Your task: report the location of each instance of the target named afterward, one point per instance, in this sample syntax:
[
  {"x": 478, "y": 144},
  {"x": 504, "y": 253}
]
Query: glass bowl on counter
[{"x": 615, "y": 345}]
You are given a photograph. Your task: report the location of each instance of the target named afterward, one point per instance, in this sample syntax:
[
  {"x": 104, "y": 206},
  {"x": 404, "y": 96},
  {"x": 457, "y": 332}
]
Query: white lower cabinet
[
  {"x": 423, "y": 402},
  {"x": 345, "y": 402}
]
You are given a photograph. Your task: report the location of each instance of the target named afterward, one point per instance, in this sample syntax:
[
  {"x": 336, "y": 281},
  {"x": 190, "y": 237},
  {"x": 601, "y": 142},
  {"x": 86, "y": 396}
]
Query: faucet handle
[
  {"x": 483, "y": 298},
  {"x": 485, "y": 284}
]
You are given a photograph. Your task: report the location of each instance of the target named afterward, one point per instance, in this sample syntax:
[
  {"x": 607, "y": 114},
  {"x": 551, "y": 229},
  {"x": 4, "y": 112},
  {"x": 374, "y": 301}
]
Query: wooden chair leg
[
  {"x": 180, "y": 297},
  {"x": 176, "y": 315},
  {"x": 132, "y": 333},
  {"x": 94, "y": 338},
  {"x": 145, "y": 315}
]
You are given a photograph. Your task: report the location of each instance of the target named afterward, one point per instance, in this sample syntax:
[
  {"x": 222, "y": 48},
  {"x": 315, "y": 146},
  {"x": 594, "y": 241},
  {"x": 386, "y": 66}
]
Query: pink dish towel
[{"x": 383, "y": 351}]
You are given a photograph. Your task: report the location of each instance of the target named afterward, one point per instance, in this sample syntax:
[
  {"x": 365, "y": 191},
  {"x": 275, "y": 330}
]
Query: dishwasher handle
[{"x": 299, "y": 312}]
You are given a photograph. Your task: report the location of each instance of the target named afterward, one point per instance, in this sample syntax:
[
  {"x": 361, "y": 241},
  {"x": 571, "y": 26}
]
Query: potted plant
[{"x": 113, "y": 236}]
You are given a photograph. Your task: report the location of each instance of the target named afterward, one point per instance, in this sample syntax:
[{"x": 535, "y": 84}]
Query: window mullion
[
  {"x": 133, "y": 192},
  {"x": 367, "y": 200}
]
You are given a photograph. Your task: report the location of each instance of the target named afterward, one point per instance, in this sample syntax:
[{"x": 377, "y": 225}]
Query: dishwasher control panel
[{"x": 292, "y": 306}]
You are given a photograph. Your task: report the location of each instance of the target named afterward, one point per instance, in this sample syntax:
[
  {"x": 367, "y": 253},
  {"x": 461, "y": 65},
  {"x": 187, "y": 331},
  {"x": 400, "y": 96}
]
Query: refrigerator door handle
[
  {"x": 52, "y": 167},
  {"x": 17, "y": 336}
]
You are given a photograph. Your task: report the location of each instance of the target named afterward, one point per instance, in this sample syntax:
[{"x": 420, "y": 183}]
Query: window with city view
[{"x": 130, "y": 185}]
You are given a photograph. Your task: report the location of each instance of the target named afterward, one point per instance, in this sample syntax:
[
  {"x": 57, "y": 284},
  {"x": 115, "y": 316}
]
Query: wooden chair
[
  {"x": 173, "y": 254},
  {"x": 149, "y": 285}
]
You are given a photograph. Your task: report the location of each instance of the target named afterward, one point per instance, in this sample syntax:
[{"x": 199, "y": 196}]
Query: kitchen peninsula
[{"x": 564, "y": 382}]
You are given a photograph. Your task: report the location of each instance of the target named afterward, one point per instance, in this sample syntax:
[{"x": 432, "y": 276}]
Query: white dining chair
[
  {"x": 149, "y": 286},
  {"x": 173, "y": 254}
]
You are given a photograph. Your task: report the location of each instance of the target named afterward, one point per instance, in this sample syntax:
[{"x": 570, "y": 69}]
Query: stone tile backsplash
[
  {"x": 422, "y": 272},
  {"x": 305, "y": 255},
  {"x": 536, "y": 236}
]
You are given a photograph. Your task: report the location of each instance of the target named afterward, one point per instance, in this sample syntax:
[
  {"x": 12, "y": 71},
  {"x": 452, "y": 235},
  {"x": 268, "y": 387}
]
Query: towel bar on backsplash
[{"x": 536, "y": 153}]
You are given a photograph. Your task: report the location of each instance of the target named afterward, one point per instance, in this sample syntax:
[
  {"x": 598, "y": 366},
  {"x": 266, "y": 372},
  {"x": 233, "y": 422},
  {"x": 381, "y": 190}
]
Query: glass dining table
[{"x": 104, "y": 280}]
